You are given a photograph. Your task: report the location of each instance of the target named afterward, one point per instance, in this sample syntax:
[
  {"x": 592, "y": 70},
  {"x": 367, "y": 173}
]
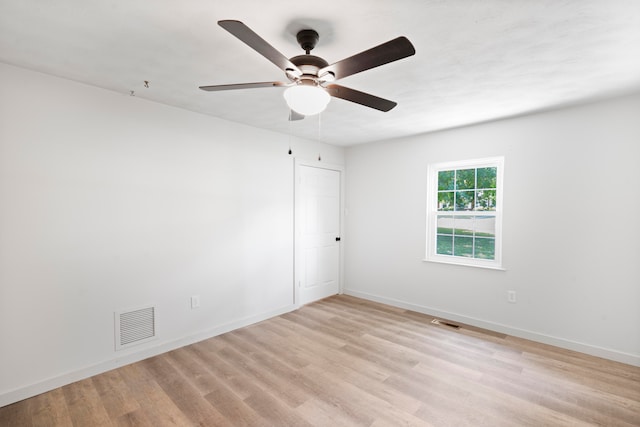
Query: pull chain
[
  {"x": 290, "y": 114},
  {"x": 319, "y": 135}
]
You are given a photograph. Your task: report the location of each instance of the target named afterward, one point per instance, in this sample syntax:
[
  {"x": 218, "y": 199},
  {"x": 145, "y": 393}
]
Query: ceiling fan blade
[
  {"x": 387, "y": 52},
  {"x": 243, "y": 86},
  {"x": 258, "y": 44},
  {"x": 361, "y": 98},
  {"x": 293, "y": 116}
]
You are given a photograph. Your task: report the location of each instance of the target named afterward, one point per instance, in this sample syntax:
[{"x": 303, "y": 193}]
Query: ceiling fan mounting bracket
[{"x": 307, "y": 39}]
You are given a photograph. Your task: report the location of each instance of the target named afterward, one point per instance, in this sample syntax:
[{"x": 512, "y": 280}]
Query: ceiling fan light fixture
[{"x": 307, "y": 99}]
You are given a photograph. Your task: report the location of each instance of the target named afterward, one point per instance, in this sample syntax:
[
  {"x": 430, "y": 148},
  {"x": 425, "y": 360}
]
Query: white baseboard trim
[
  {"x": 605, "y": 353},
  {"x": 117, "y": 361}
]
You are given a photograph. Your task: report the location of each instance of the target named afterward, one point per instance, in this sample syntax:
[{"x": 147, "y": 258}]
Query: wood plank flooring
[{"x": 344, "y": 361}]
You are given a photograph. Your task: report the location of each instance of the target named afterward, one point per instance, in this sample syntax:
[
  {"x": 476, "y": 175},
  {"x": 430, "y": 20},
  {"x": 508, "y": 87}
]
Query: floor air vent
[
  {"x": 135, "y": 326},
  {"x": 442, "y": 322}
]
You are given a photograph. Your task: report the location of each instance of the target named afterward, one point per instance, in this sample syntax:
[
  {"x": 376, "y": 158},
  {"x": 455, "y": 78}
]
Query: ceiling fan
[{"x": 310, "y": 78}]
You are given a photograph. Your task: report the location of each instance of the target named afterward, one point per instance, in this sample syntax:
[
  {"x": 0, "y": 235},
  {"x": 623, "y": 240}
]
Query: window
[{"x": 465, "y": 213}]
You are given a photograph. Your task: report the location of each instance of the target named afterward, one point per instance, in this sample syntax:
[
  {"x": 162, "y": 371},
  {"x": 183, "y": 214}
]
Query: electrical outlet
[
  {"x": 195, "y": 301},
  {"x": 511, "y": 297}
]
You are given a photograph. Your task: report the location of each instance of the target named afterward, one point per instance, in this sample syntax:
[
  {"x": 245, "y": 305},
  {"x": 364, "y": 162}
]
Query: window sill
[{"x": 462, "y": 264}]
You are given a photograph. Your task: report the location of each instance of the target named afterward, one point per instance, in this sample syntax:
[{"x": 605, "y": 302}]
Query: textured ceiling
[{"x": 475, "y": 60}]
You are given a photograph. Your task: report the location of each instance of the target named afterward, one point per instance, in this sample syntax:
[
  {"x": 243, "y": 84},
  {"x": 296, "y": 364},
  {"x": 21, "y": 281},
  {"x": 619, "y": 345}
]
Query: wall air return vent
[{"x": 134, "y": 327}]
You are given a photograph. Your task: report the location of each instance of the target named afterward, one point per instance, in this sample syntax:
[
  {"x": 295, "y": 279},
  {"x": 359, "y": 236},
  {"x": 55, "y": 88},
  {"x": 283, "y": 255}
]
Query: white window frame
[{"x": 432, "y": 206}]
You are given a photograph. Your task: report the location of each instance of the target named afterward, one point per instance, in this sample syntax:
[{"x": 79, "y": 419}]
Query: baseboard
[
  {"x": 592, "y": 350},
  {"x": 117, "y": 361}
]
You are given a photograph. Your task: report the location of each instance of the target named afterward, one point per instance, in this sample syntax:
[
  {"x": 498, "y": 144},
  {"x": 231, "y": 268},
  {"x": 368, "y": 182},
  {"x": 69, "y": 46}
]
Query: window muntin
[{"x": 464, "y": 212}]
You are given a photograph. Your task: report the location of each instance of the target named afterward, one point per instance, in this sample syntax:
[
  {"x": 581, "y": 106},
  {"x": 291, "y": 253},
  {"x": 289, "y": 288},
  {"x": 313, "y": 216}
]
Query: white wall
[
  {"x": 571, "y": 228},
  {"x": 111, "y": 202}
]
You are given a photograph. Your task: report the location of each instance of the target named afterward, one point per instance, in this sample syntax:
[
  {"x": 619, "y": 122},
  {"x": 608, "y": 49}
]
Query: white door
[{"x": 318, "y": 233}]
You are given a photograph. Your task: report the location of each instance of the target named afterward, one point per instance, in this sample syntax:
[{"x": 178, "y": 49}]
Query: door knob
[{"x": 337, "y": 239}]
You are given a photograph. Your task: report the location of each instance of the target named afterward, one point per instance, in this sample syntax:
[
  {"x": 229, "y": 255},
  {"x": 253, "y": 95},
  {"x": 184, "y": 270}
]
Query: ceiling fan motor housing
[{"x": 309, "y": 64}]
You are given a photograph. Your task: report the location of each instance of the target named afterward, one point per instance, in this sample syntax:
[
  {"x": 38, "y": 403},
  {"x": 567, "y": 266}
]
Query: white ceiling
[{"x": 476, "y": 60}]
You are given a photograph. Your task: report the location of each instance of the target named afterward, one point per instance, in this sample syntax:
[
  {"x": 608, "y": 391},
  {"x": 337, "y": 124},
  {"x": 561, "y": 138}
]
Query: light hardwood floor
[{"x": 344, "y": 361}]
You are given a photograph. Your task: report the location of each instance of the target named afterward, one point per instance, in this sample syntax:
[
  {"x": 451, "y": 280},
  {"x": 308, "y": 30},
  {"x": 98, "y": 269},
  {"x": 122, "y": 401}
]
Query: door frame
[{"x": 296, "y": 231}]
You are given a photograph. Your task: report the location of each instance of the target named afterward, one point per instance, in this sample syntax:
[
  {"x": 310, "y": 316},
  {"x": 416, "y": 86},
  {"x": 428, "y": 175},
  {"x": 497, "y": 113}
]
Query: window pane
[
  {"x": 486, "y": 200},
  {"x": 445, "y": 201},
  {"x": 485, "y": 248},
  {"x": 463, "y": 226},
  {"x": 445, "y": 180},
  {"x": 463, "y": 246},
  {"x": 485, "y": 226},
  {"x": 444, "y": 245},
  {"x": 445, "y": 224},
  {"x": 487, "y": 177},
  {"x": 464, "y": 200},
  {"x": 465, "y": 179}
]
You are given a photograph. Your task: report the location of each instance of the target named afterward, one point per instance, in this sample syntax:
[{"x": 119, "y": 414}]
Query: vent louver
[
  {"x": 135, "y": 326},
  {"x": 442, "y": 322}
]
